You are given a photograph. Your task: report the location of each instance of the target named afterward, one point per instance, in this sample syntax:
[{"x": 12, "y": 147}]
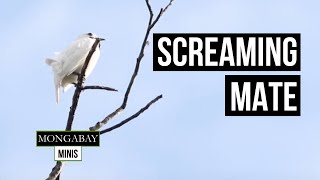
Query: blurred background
[{"x": 183, "y": 136}]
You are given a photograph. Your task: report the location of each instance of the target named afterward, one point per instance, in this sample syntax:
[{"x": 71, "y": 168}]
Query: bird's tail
[{"x": 56, "y": 68}]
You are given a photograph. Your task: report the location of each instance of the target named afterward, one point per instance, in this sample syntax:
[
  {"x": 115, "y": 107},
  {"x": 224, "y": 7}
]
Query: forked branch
[
  {"x": 56, "y": 170},
  {"x": 132, "y": 116},
  {"x": 151, "y": 23}
]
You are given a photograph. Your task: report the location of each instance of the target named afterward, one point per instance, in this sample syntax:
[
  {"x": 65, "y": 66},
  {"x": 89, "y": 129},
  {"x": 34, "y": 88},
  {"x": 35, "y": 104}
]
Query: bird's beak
[{"x": 101, "y": 39}]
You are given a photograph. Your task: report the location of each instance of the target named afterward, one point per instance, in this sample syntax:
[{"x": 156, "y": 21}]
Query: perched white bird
[{"x": 67, "y": 64}]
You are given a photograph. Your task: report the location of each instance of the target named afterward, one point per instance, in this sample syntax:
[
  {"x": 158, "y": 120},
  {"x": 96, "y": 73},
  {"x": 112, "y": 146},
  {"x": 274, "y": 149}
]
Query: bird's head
[{"x": 91, "y": 35}]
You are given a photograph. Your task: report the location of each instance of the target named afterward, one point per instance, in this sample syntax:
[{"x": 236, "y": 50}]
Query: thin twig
[
  {"x": 166, "y": 8},
  {"x": 151, "y": 24},
  {"x": 99, "y": 87},
  {"x": 131, "y": 117},
  {"x": 149, "y": 8}
]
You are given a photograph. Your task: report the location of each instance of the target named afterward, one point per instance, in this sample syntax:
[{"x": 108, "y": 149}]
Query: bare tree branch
[
  {"x": 79, "y": 87},
  {"x": 151, "y": 24},
  {"x": 99, "y": 87},
  {"x": 56, "y": 170},
  {"x": 132, "y": 116}
]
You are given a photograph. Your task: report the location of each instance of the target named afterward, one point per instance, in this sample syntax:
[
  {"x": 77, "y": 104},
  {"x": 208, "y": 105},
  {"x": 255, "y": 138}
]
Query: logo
[{"x": 68, "y": 144}]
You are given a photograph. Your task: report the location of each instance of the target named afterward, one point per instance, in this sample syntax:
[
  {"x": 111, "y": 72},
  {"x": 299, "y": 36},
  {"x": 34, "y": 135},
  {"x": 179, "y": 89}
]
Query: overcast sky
[{"x": 183, "y": 136}]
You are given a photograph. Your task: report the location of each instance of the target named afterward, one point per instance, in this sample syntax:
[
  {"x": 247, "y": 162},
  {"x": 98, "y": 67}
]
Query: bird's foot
[{"x": 76, "y": 85}]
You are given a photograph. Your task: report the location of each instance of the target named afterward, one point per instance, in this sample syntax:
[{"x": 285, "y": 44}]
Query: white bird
[{"x": 67, "y": 64}]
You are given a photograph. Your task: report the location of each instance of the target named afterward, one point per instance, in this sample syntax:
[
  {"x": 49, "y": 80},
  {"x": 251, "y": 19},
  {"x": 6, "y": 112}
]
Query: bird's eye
[{"x": 89, "y": 34}]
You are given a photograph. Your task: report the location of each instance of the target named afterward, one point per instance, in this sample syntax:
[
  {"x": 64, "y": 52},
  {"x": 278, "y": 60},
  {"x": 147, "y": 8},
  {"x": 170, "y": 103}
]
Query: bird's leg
[
  {"x": 76, "y": 85},
  {"x": 78, "y": 74}
]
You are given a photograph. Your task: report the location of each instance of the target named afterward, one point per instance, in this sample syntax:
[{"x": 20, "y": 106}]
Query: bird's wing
[{"x": 73, "y": 57}]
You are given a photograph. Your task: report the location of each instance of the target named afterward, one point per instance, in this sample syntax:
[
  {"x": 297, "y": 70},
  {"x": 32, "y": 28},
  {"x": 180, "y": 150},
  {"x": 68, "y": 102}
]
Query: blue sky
[{"x": 185, "y": 135}]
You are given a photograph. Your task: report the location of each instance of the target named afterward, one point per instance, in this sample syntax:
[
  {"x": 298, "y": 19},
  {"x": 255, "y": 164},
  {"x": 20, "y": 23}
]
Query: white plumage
[{"x": 67, "y": 64}]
